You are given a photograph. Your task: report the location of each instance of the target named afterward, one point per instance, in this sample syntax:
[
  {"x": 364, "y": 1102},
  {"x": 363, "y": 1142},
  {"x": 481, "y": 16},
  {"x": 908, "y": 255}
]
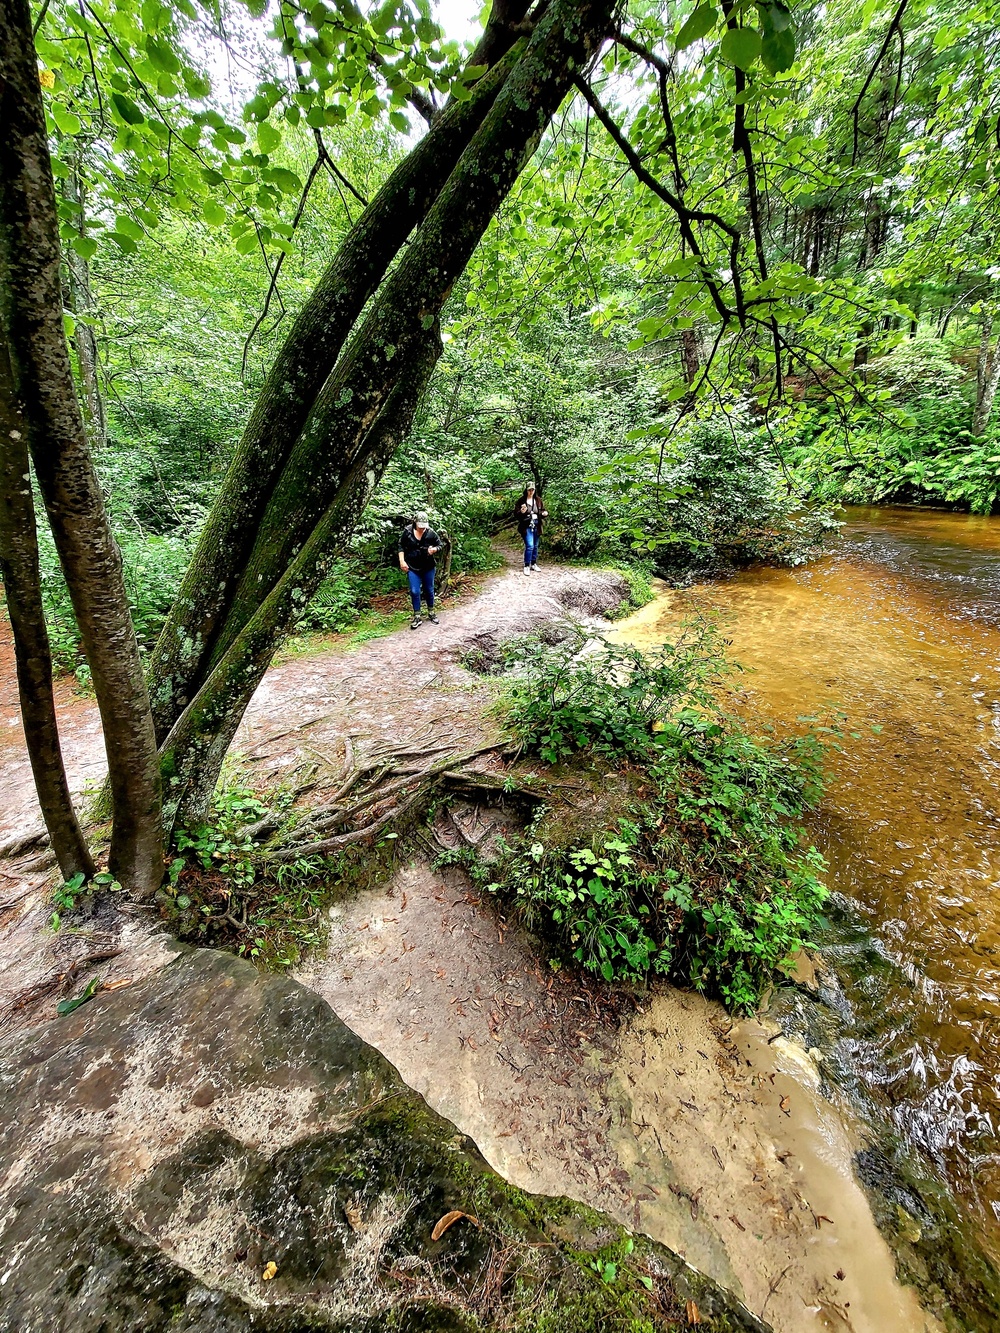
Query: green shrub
[
  {"x": 224, "y": 892},
  {"x": 712, "y": 496},
  {"x": 916, "y": 446},
  {"x": 611, "y": 699},
  {"x": 153, "y": 568},
  {"x": 704, "y": 877},
  {"x": 337, "y": 603}
]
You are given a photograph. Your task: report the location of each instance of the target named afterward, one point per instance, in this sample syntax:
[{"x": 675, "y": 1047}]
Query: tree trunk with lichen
[
  {"x": 339, "y": 452},
  {"x": 193, "y": 752},
  {"x": 320, "y": 330},
  {"x": 81, "y": 304},
  {"x": 56, "y": 439}
]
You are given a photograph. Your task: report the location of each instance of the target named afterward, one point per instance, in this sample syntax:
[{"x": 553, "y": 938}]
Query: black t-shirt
[{"x": 414, "y": 548}]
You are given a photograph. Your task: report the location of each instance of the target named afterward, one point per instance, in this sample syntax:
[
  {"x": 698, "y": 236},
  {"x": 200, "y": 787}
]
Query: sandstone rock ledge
[{"x": 170, "y": 1143}]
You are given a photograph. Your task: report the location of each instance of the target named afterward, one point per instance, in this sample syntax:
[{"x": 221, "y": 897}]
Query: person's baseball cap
[{"x": 421, "y": 519}]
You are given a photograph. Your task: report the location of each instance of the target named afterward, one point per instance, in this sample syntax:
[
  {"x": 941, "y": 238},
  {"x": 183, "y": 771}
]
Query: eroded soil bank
[{"x": 707, "y": 1136}]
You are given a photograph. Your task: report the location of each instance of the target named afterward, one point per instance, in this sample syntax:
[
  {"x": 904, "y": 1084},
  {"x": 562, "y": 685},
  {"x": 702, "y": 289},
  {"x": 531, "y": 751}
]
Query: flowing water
[{"x": 896, "y": 633}]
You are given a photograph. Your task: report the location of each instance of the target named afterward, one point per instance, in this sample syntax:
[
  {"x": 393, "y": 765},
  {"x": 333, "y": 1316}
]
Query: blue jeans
[
  {"x": 421, "y": 582},
  {"x": 530, "y": 547}
]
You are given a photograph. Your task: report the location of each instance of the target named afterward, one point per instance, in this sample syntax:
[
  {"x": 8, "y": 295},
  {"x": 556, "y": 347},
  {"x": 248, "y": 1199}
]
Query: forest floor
[{"x": 711, "y": 1136}]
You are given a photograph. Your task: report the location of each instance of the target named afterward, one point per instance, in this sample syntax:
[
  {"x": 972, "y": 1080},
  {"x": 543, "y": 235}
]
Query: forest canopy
[{"x": 699, "y": 271}]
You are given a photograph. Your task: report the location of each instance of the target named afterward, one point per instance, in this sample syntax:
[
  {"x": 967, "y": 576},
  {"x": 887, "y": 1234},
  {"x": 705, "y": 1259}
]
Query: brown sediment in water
[{"x": 896, "y": 633}]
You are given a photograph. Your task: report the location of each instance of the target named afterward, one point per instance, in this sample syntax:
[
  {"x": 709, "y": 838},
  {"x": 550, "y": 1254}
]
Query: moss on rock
[{"x": 213, "y": 1150}]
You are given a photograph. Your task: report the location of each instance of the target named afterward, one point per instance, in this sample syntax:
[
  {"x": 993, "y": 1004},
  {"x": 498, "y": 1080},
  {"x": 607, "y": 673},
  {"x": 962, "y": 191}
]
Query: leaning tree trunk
[
  {"x": 193, "y": 753},
  {"x": 331, "y": 456},
  {"x": 30, "y": 282},
  {"x": 181, "y": 659},
  {"x": 411, "y": 299},
  {"x": 987, "y": 379},
  {"x": 23, "y": 592}
]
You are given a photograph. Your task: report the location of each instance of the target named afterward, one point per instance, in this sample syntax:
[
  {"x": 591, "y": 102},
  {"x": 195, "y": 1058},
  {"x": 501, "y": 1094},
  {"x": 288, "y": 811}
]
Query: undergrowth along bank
[{"x": 702, "y": 873}]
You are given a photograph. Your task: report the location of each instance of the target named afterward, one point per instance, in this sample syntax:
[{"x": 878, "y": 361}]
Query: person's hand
[
  {"x": 433, "y": 550},
  {"x": 404, "y": 566},
  {"x": 524, "y": 509},
  {"x": 545, "y": 513}
]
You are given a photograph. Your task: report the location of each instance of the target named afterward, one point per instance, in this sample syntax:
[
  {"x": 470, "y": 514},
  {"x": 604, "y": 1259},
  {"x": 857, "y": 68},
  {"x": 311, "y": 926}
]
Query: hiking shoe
[
  {"x": 534, "y": 569},
  {"x": 433, "y": 619},
  {"x": 527, "y": 570},
  {"x": 416, "y": 622}
]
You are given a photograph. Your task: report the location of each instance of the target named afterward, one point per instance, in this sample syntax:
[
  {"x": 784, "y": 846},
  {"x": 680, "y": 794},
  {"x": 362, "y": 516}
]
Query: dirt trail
[
  {"x": 404, "y": 689},
  {"x": 676, "y": 1123}
]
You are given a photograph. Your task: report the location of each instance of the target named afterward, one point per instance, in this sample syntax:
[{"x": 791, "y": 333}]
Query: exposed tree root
[{"x": 387, "y": 791}]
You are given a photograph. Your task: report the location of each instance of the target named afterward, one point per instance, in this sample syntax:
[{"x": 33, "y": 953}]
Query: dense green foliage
[
  {"x": 918, "y": 447},
  {"x": 703, "y": 875}
]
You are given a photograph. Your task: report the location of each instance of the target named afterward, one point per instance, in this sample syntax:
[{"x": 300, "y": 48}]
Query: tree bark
[
  {"x": 81, "y": 304},
  {"x": 181, "y": 658},
  {"x": 193, "y": 753},
  {"x": 30, "y": 283},
  {"x": 412, "y": 297},
  {"x": 23, "y": 592},
  {"x": 690, "y": 361},
  {"x": 987, "y": 379}
]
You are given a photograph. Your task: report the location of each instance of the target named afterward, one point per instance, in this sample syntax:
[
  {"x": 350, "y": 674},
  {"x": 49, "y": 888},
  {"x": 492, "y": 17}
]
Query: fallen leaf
[
  {"x": 450, "y": 1219},
  {"x": 65, "y": 1007},
  {"x": 784, "y": 1105},
  {"x": 691, "y": 1309},
  {"x": 117, "y": 985},
  {"x": 269, "y": 1271},
  {"x": 353, "y": 1215}
]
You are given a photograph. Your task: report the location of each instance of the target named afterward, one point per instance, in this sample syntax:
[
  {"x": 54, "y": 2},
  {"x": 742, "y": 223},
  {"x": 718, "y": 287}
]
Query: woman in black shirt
[{"x": 418, "y": 545}]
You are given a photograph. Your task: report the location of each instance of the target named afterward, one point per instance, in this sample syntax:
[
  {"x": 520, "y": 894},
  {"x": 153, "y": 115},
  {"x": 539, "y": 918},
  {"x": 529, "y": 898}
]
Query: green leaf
[
  {"x": 741, "y": 47},
  {"x": 698, "y": 25},
  {"x": 399, "y": 122},
  {"x": 246, "y": 243},
  {"x": 778, "y": 16},
  {"x": 257, "y": 8},
  {"x": 127, "y": 227},
  {"x": 65, "y": 1007},
  {"x": 127, "y": 109},
  {"x": 85, "y": 246},
  {"x": 66, "y": 121},
  {"x": 268, "y": 137},
  {"x": 196, "y": 84},
  {"x": 286, "y": 180},
  {"x": 162, "y": 55},
  {"x": 213, "y": 213},
  {"x": 777, "y": 49},
  {"x": 124, "y": 243}
]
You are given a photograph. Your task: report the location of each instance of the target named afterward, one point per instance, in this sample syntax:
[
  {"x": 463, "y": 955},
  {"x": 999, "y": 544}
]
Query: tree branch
[{"x": 685, "y": 215}]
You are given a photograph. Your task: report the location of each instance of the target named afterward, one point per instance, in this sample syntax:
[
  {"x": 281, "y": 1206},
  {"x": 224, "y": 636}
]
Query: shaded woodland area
[{"x": 699, "y": 274}]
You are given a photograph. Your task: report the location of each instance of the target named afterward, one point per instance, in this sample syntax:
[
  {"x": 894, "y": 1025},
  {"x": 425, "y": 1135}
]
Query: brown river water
[{"x": 898, "y": 629}]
